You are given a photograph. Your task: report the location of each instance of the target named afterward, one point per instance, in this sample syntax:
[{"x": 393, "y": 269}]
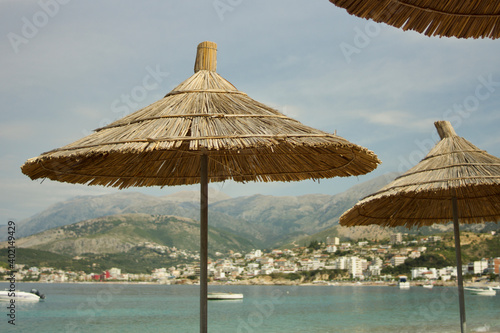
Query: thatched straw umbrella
[
  {"x": 456, "y": 180},
  {"x": 444, "y": 18},
  {"x": 204, "y": 130}
]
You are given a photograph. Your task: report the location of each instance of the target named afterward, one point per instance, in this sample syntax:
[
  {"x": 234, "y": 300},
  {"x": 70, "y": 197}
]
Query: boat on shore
[
  {"x": 403, "y": 282},
  {"x": 224, "y": 296},
  {"x": 428, "y": 286},
  {"x": 32, "y": 296},
  {"x": 488, "y": 291}
]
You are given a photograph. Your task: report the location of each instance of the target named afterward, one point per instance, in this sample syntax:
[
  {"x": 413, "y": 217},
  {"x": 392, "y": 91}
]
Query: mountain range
[
  {"x": 116, "y": 223},
  {"x": 264, "y": 220}
]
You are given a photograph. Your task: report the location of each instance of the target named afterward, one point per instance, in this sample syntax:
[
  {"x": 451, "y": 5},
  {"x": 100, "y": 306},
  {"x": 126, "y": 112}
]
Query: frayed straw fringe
[{"x": 446, "y": 18}]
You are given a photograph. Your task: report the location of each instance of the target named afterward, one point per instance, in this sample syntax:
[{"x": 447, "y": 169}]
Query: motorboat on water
[
  {"x": 488, "y": 291},
  {"x": 403, "y": 282},
  {"x": 224, "y": 296},
  {"x": 428, "y": 286},
  {"x": 32, "y": 296}
]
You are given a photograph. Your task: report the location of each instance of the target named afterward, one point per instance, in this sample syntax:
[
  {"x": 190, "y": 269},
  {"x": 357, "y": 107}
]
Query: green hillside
[
  {"x": 122, "y": 233},
  {"x": 136, "y": 243}
]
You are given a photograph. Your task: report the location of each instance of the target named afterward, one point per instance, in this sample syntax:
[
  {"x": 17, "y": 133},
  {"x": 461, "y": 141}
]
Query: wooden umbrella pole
[
  {"x": 458, "y": 252},
  {"x": 203, "y": 243},
  {"x": 445, "y": 130}
]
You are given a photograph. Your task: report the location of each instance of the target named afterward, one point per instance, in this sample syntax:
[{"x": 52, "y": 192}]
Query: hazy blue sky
[{"x": 69, "y": 67}]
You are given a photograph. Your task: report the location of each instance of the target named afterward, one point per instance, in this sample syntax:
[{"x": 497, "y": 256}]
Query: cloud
[
  {"x": 395, "y": 119},
  {"x": 15, "y": 131},
  {"x": 22, "y": 197}
]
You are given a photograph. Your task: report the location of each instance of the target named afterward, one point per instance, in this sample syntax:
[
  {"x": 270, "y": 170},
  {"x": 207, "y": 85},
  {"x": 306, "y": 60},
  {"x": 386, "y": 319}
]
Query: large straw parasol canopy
[
  {"x": 205, "y": 130},
  {"x": 161, "y": 144},
  {"x": 422, "y": 195},
  {"x": 444, "y": 18}
]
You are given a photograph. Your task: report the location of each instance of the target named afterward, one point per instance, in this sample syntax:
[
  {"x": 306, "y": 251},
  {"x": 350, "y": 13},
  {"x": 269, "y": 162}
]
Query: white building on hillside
[
  {"x": 355, "y": 267},
  {"x": 331, "y": 248},
  {"x": 115, "y": 273},
  {"x": 416, "y": 272},
  {"x": 373, "y": 270},
  {"x": 398, "y": 260},
  {"x": 253, "y": 254},
  {"x": 332, "y": 241},
  {"x": 340, "y": 263},
  {"x": 396, "y": 238},
  {"x": 478, "y": 267}
]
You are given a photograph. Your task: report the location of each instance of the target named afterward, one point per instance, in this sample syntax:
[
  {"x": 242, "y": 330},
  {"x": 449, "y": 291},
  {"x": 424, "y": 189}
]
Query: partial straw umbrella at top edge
[{"x": 443, "y": 18}]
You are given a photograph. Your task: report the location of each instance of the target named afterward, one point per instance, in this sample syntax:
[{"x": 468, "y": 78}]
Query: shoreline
[{"x": 259, "y": 282}]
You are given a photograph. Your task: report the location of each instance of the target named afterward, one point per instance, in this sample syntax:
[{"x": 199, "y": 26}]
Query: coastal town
[{"x": 322, "y": 262}]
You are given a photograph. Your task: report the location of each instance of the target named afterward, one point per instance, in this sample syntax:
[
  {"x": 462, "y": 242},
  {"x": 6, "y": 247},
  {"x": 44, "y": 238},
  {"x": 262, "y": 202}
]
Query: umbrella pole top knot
[
  {"x": 445, "y": 129},
  {"x": 206, "y": 57}
]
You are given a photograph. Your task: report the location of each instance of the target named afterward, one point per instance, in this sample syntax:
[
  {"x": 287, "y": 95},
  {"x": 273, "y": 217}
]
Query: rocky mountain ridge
[{"x": 264, "y": 220}]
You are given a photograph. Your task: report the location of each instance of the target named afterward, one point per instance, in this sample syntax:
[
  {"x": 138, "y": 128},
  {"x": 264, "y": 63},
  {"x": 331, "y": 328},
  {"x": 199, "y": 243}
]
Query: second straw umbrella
[{"x": 456, "y": 181}]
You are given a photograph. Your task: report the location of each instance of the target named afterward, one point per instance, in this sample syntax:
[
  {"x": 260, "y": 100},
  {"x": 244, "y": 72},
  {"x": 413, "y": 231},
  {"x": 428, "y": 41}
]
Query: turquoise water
[{"x": 163, "y": 308}]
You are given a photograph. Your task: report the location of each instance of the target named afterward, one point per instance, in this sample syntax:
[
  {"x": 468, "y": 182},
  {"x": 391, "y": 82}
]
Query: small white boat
[
  {"x": 482, "y": 291},
  {"x": 224, "y": 296},
  {"x": 32, "y": 296},
  {"x": 428, "y": 286},
  {"x": 403, "y": 282}
]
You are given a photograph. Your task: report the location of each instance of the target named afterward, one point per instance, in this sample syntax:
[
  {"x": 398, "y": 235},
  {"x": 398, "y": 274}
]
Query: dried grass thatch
[
  {"x": 161, "y": 144},
  {"x": 445, "y": 18},
  {"x": 422, "y": 195}
]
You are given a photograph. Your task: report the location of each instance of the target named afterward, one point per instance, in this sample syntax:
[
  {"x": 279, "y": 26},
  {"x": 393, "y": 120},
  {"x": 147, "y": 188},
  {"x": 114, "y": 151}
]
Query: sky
[{"x": 69, "y": 67}]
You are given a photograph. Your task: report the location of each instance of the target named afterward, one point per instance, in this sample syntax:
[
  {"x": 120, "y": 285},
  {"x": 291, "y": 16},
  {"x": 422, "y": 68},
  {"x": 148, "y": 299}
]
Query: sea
[{"x": 106, "y": 307}]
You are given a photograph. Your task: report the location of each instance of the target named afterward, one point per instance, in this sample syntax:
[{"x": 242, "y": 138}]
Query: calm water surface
[{"x": 163, "y": 308}]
